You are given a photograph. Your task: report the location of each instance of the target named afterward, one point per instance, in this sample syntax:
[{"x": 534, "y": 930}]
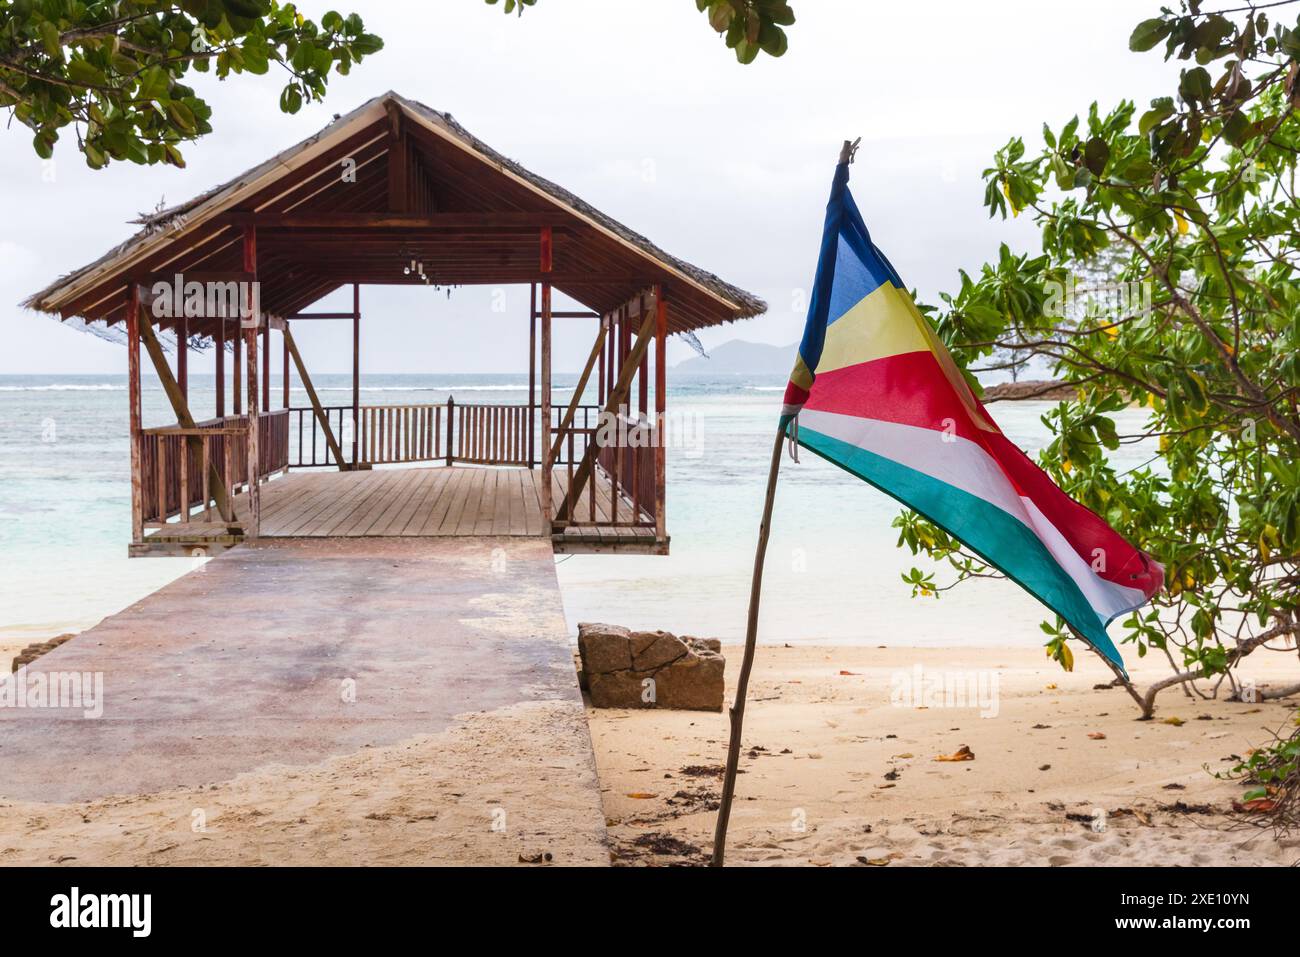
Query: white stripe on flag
[{"x": 967, "y": 466}]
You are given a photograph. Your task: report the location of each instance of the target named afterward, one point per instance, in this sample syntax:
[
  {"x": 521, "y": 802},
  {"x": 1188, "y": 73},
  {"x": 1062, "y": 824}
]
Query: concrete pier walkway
[{"x": 318, "y": 701}]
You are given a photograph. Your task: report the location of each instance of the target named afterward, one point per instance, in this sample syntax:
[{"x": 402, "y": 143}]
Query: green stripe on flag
[{"x": 1000, "y": 539}]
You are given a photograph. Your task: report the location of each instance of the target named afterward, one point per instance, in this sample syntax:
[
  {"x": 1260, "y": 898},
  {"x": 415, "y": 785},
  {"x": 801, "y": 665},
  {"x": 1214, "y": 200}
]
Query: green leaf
[
  {"x": 124, "y": 65},
  {"x": 1237, "y": 129},
  {"x": 291, "y": 99},
  {"x": 50, "y": 39},
  {"x": 773, "y": 40},
  {"x": 43, "y": 142},
  {"x": 1196, "y": 86},
  {"x": 1096, "y": 154},
  {"x": 84, "y": 73},
  {"x": 154, "y": 83},
  {"x": 181, "y": 115},
  {"x": 1147, "y": 34},
  {"x": 303, "y": 56}
]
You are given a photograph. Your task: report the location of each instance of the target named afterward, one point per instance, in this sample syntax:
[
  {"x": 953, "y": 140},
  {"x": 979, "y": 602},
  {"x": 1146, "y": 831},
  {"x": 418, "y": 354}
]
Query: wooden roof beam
[
  {"x": 388, "y": 220},
  {"x": 398, "y": 182}
]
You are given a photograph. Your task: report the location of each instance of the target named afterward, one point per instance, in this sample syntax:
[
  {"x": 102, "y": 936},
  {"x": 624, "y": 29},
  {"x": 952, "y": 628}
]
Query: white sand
[
  {"x": 430, "y": 800},
  {"x": 834, "y": 774},
  {"x": 816, "y": 789}
]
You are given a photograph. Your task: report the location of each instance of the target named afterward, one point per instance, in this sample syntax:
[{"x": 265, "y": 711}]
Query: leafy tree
[
  {"x": 1191, "y": 203},
  {"x": 748, "y": 26},
  {"x": 113, "y": 69}
]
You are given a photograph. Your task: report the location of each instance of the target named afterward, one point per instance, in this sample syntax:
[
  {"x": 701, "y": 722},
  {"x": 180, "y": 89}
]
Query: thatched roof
[{"x": 600, "y": 262}]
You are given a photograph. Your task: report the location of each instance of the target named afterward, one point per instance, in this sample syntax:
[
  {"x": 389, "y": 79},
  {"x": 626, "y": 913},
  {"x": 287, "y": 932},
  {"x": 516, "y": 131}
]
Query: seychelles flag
[{"x": 876, "y": 392}]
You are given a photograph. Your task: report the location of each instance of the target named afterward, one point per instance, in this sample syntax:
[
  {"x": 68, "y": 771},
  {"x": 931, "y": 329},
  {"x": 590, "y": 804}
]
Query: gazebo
[{"x": 393, "y": 193}]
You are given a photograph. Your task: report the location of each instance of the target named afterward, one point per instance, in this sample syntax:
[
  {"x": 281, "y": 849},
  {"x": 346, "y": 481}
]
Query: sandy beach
[
  {"x": 834, "y": 773},
  {"x": 427, "y": 800}
]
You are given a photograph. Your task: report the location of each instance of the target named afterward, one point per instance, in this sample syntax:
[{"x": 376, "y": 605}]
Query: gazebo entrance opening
[{"x": 441, "y": 468}]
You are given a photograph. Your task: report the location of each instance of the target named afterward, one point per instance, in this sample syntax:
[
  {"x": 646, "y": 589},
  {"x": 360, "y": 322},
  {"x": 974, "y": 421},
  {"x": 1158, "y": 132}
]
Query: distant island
[
  {"x": 738, "y": 357},
  {"x": 1045, "y": 390}
]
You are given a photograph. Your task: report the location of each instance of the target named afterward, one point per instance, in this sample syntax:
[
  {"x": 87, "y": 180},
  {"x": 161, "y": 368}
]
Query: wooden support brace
[{"x": 617, "y": 397}]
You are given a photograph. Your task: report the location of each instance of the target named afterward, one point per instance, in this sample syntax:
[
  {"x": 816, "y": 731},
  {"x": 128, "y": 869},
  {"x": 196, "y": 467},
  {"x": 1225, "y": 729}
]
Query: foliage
[
  {"x": 113, "y": 69},
  {"x": 1274, "y": 771},
  {"x": 1189, "y": 206},
  {"x": 748, "y": 26}
]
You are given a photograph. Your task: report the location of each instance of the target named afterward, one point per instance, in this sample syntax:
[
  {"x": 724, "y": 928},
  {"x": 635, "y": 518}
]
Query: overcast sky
[{"x": 638, "y": 108}]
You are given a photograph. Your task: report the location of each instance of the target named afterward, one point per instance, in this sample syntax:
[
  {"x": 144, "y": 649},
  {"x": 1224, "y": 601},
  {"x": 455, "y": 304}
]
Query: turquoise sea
[{"x": 833, "y": 572}]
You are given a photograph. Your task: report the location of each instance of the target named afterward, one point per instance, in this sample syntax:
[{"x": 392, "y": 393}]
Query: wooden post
[
  {"x": 643, "y": 375},
  {"x": 356, "y": 369},
  {"x": 451, "y": 428},
  {"x": 181, "y": 409},
  {"x": 236, "y": 373},
  {"x": 616, "y": 397},
  {"x": 611, "y": 364},
  {"x": 574, "y": 401},
  {"x": 661, "y": 406},
  {"x": 607, "y": 320},
  {"x": 254, "y": 422},
  {"x": 221, "y": 371},
  {"x": 737, "y": 712},
  {"x": 532, "y": 374},
  {"x": 133, "y": 402},
  {"x": 625, "y": 346},
  {"x": 284, "y": 372},
  {"x": 266, "y": 366},
  {"x": 548, "y": 504},
  {"x": 183, "y": 356}
]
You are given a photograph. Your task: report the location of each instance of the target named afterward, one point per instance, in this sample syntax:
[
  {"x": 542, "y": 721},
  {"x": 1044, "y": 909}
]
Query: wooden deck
[{"x": 417, "y": 503}]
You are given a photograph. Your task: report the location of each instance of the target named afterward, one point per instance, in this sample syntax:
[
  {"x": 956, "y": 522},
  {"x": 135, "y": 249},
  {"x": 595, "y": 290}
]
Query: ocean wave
[
  {"x": 63, "y": 387},
  {"x": 422, "y": 388},
  {"x": 765, "y": 388}
]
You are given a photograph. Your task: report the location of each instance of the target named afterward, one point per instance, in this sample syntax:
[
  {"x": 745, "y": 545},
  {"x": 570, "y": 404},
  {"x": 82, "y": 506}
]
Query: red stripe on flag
[
  {"x": 1111, "y": 557},
  {"x": 911, "y": 389}
]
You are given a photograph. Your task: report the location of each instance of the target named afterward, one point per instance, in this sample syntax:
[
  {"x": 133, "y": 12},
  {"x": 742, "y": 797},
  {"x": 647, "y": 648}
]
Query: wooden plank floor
[{"x": 424, "y": 502}]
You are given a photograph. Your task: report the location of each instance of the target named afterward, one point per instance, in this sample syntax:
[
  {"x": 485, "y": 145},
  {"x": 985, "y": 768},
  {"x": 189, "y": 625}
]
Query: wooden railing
[
  {"x": 571, "y": 446},
  {"x": 400, "y": 433},
  {"x": 307, "y": 445},
  {"x": 625, "y": 458},
  {"x": 629, "y": 462},
  {"x": 490, "y": 434},
  {"x": 448, "y": 432},
  {"x": 480, "y": 434},
  {"x": 178, "y": 467}
]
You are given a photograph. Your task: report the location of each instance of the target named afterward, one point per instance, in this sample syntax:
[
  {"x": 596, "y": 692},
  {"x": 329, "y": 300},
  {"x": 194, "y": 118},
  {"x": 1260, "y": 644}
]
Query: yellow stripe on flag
[
  {"x": 801, "y": 376},
  {"x": 878, "y": 326}
]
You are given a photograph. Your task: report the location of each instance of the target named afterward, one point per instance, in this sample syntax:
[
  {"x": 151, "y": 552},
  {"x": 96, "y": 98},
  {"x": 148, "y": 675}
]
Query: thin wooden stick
[{"x": 737, "y": 711}]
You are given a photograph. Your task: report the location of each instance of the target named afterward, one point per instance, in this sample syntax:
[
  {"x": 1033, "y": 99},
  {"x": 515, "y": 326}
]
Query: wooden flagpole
[{"x": 737, "y": 711}]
